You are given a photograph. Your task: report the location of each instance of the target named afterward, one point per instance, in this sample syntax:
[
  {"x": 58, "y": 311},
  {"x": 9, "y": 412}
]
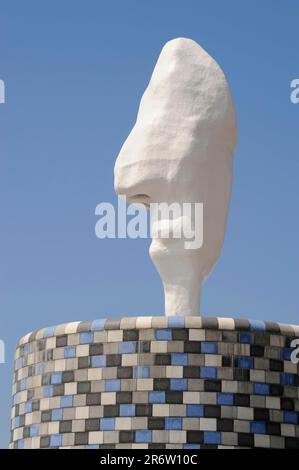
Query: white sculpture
[{"x": 180, "y": 150}]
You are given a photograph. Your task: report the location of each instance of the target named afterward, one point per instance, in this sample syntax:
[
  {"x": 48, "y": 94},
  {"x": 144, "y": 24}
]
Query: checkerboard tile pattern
[{"x": 157, "y": 383}]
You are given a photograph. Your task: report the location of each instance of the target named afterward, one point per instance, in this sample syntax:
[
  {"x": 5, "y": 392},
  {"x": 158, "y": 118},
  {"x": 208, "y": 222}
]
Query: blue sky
[{"x": 74, "y": 74}]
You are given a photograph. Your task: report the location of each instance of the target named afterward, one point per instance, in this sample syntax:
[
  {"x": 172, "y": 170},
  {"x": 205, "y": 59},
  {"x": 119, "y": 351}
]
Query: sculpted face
[{"x": 180, "y": 150}]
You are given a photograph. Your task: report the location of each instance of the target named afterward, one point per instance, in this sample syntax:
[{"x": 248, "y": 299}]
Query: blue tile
[
  {"x": 112, "y": 385},
  {"x": 156, "y": 397},
  {"x": 127, "y": 410},
  {"x": 86, "y": 337},
  {"x": 208, "y": 372},
  {"x": 286, "y": 379},
  {"x": 127, "y": 347},
  {"x": 225, "y": 399},
  {"x": 179, "y": 359},
  {"x": 176, "y": 322},
  {"x": 195, "y": 411},
  {"x": 21, "y": 444},
  {"x": 261, "y": 389},
  {"x": 245, "y": 338},
  {"x": 22, "y": 384},
  {"x": 55, "y": 440},
  {"x": 164, "y": 334},
  {"x": 56, "y": 378},
  {"x": 173, "y": 423},
  {"x": 26, "y": 349},
  {"x": 49, "y": 332},
  {"x": 69, "y": 351},
  {"x": 48, "y": 391},
  {"x": 178, "y": 384},
  {"x": 66, "y": 401},
  {"x": 17, "y": 422},
  {"x": 257, "y": 325},
  {"x": 33, "y": 430},
  {"x": 258, "y": 427},
  {"x": 212, "y": 437},
  {"x": 107, "y": 424},
  {"x": 208, "y": 347},
  {"x": 245, "y": 362},
  {"x": 91, "y": 446},
  {"x": 41, "y": 368},
  {"x": 143, "y": 436},
  {"x": 57, "y": 414},
  {"x": 141, "y": 372},
  {"x": 98, "y": 361},
  {"x": 191, "y": 446},
  {"x": 286, "y": 354},
  {"x": 290, "y": 417},
  {"x": 28, "y": 407},
  {"x": 98, "y": 325}
]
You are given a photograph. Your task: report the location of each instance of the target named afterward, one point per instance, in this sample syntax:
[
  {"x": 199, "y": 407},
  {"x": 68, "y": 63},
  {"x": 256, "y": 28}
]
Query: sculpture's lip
[{"x": 139, "y": 199}]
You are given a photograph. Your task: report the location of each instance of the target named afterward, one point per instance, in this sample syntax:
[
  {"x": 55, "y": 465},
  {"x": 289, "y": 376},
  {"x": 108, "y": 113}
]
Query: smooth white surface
[{"x": 180, "y": 150}]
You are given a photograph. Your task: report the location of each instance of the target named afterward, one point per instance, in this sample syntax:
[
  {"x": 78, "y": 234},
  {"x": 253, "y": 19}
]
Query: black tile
[
  {"x": 143, "y": 410},
  {"x": 113, "y": 360},
  {"x": 287, "y": 404},
  {"x": 191, "y": 347},
  {"x": 241, "y": 375},
  {"x": 174, "y": 397},
  {"x": 83, "y": 362},
  {"x": 161, "y": 384},
  {"x": 35, "y": 405},
  {"x": 93, "y": 399},
  {"x": 273, "y": 429},
  {"x": 272, "y": 327},
  {"x": 46, "y": 416},
  {"x": 256, "y": 350},
  {"x": 212, "y": 385},
  {"x": 111, "y": 411},
  {"x": 162, "y": 359},
  {"x": 83, "y": 387},
  {"x": 68, "y": 376},
  {"x": 46, "y": 378},
  {"x": 144, "y": 347},
  {"x": 41, "y": 344},
  {"x": 61, "y": 341},
  {"x": 225, "y": 425},
  {"x": 210, "y": 322},
  {"x": 226, "y": 361},
  {"x": 95, "y": 349},
  {"x": 191, "y": 372},
  {"x": 30, "y": 394},
  {"x": 112, "y": 324},
  {"x": 245, "y": 439},
  {"x": 130, "y": 335},
  {"x": 45, "y": 441},
  {"x": 261, "y": 414},
  {"x": 195, "y": 437},
  {"x": 58, "y": 390},
  {"x": 276, "y": 390},
  {"x": 292, "y": 443},
  {"x": 81, "y": 438},
  {"x": 157, "y": 446},
  {"x": 156, "y": 423},
  {"x": 180, "y": 334},
  {"x": 26, "y": 432},
  {"x": 126, "y": 437},
  {"x": 123, "y": 397},
  {"x": 275, "y": 365},
  {"x": 124, "y": 372},
  {"x": 84, "y": 326},
  {"x": 66, "y": 426},
  {"x": 261, "y": 339},
  {"x": 229, "y": 336},
  {"x": 212, "y": 411},
  {"x": 92, "y": 424},
  {"x": 242, "y": 325}
]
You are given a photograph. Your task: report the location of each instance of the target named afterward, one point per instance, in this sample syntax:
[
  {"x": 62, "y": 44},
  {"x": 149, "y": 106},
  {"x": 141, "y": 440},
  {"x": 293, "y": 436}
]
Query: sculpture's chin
[{"x": 181, "y": 275}]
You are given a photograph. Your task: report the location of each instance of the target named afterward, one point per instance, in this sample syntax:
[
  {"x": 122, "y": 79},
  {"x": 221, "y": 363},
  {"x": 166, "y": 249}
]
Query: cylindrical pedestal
[{"x": 158, "y": 383}]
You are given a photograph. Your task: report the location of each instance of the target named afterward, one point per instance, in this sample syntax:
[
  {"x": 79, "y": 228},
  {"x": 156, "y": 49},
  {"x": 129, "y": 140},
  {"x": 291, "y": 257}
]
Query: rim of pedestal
[{"x": 147, "y": 322}]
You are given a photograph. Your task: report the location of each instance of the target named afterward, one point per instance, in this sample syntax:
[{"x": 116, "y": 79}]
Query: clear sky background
[{"x": 75, "y": 72}]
